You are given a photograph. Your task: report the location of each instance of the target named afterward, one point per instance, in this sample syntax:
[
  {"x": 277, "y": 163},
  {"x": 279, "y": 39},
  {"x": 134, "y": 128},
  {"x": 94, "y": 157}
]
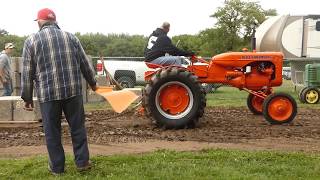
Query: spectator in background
[
  {"x": 5, "y": 69},
  {"x": 55, "y": 60},
  {"x": 160, "y": 49}
]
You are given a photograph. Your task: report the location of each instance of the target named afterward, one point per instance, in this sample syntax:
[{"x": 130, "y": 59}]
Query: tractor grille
[{"x": 312, "y": 73}]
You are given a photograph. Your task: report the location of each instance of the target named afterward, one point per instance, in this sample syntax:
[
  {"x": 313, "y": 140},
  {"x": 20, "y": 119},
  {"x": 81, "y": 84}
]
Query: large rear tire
[
  {"x": 279, "y": 108},
  {"x": 174, "y": 98}
]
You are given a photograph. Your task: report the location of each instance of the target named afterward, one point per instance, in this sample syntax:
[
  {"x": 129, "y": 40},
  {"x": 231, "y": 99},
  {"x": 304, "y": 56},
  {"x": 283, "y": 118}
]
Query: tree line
[{"x": 235, "y": 21}]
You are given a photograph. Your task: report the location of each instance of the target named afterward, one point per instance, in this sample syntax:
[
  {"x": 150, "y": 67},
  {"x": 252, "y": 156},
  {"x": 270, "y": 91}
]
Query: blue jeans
[
  {"x": 168, "y": 60},
  {"x": 51, "y": 118},
  {"x": 7, "y": 88}
]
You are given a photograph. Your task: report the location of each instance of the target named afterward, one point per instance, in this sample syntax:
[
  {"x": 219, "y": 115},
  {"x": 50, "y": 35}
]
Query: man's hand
[{"x": 28, "y": 106}]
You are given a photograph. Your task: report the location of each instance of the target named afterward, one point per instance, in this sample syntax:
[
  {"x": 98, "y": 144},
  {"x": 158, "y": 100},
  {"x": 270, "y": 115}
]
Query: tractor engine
[
  {"x": 254, "y": 76},
  {"x": 248, "y": 70}
]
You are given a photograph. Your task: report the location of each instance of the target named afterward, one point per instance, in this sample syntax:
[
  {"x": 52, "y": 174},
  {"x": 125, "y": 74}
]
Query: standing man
[
  {"x": 54, "y": 60},
  {"x": 160, "y": 49},
  {"x": 5, "y": 69}
]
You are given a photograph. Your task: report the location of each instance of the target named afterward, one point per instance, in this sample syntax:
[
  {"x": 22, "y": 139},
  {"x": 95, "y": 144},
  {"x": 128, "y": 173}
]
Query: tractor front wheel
[
  {"x": 310, "y": 95},
  {"x": 301, "y": 95},
  {"x": 254, "y": 104},
  {"x": 279, "y": 108},
  {"x": 174, "y": 98}
]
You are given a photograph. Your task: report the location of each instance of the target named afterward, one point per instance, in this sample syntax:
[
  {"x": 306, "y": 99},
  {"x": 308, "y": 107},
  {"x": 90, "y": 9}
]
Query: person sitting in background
[
  {"x": 5, "y": 69},
  {"x": 160, "y": 49}
]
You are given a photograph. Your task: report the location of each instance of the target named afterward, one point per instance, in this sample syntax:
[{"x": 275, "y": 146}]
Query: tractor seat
[{"x": 153, "y": 66}]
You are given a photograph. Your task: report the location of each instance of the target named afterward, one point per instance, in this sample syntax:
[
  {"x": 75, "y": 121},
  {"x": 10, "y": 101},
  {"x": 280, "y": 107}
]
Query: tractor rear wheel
[
  {"x": 254, "y": 104},
  {"x": 279, "y": 108},
  {"x": 174, "y": 98}
]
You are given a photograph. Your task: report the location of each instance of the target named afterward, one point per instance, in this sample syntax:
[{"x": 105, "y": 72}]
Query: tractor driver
[{"x": 160, "y": 49}]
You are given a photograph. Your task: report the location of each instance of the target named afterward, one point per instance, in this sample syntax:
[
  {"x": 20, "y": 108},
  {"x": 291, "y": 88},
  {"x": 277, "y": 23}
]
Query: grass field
[{"x": 207, "y": 164}]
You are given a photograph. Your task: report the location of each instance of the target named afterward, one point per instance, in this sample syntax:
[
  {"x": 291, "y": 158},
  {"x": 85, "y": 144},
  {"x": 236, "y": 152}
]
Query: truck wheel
[
  {"x": 210, "y": 88},
  {"x": 254, "y": 104},
  {"x": 310, "y": 95},
  {"x": 174, "y": 98},
  {"x": 207, "y": 87},
  {"x": 301, "y": 95},
  {"x": 126, "y": 82},
  {"x": 279, "y": 108}
]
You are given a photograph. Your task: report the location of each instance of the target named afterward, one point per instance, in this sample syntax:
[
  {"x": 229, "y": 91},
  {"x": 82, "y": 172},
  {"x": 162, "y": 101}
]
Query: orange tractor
[{"x": 174, "y": 97}]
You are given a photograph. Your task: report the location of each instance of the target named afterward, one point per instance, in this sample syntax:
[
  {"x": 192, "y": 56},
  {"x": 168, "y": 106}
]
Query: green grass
[
  {"x": 96, "y": 106},
  {"x": 207, "y": 164}
]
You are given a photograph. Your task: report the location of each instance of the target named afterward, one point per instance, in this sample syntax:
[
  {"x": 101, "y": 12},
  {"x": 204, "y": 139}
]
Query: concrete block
[
  {"x": 16, "y": 91},
  {"x": 11, "y": 109},
  {"x": 5, "y": 108},
  {"x": 19, "y": 114},
  {"x": 16, "y": 79},
  {"x": 16, "y": 64}
]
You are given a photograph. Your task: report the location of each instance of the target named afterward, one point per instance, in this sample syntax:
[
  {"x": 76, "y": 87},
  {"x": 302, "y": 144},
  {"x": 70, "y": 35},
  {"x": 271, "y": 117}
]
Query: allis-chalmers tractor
[{"x": 174, "y": 97}]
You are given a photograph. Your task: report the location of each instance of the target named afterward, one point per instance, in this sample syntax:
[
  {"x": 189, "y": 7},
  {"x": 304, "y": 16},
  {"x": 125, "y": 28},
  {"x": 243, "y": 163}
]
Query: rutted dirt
[{"x": 220, "y": 127}]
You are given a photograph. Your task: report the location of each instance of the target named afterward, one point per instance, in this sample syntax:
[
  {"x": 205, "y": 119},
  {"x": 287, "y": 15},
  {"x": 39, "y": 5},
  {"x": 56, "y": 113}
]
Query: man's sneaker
[
  {"x": 85, "y": 167},
  {"x": 54, "y": 173}
]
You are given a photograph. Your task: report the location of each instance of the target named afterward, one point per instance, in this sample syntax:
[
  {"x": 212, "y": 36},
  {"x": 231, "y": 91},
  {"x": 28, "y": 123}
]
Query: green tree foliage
[
  {"x": 3, "y": 32},
  {"x": 113, "y": 44},
  {"x": 16, "y": 40},
  {"x": 187, "y": 42},
  {"x": 212, "y": 42},
  {"x": 236, "y": 18}
]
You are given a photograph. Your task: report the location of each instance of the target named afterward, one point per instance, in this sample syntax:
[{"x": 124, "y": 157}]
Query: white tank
[{"x": 295, "y": 36}]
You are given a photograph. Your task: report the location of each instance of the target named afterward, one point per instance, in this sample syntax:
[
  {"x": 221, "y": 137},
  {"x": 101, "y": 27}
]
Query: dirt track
[{"x": 220, "y": 127}]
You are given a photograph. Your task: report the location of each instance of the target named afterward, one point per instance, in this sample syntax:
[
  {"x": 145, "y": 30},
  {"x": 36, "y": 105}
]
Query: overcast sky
[{"x": 129, "y": 16}]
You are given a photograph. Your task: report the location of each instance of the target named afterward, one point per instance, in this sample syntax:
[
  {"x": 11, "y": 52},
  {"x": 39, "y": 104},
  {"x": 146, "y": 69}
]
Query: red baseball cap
[{"x": 46, "y": 14}]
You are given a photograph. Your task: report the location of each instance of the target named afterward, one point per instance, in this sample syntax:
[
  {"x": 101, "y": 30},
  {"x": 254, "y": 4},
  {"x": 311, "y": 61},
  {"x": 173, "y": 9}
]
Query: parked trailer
[{"x": 298, "y": 38}]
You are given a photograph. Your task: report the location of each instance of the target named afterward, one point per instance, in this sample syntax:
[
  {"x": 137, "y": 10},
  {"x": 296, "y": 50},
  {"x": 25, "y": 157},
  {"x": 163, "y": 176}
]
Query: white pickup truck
[{"x": 130, "y": 72}]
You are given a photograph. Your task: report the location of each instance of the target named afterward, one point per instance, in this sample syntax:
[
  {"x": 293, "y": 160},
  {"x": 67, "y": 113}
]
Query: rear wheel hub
[{"x": 174, "y": 100}]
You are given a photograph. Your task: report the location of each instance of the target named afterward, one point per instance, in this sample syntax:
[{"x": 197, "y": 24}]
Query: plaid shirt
[{"x": 54, "y": 60}]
